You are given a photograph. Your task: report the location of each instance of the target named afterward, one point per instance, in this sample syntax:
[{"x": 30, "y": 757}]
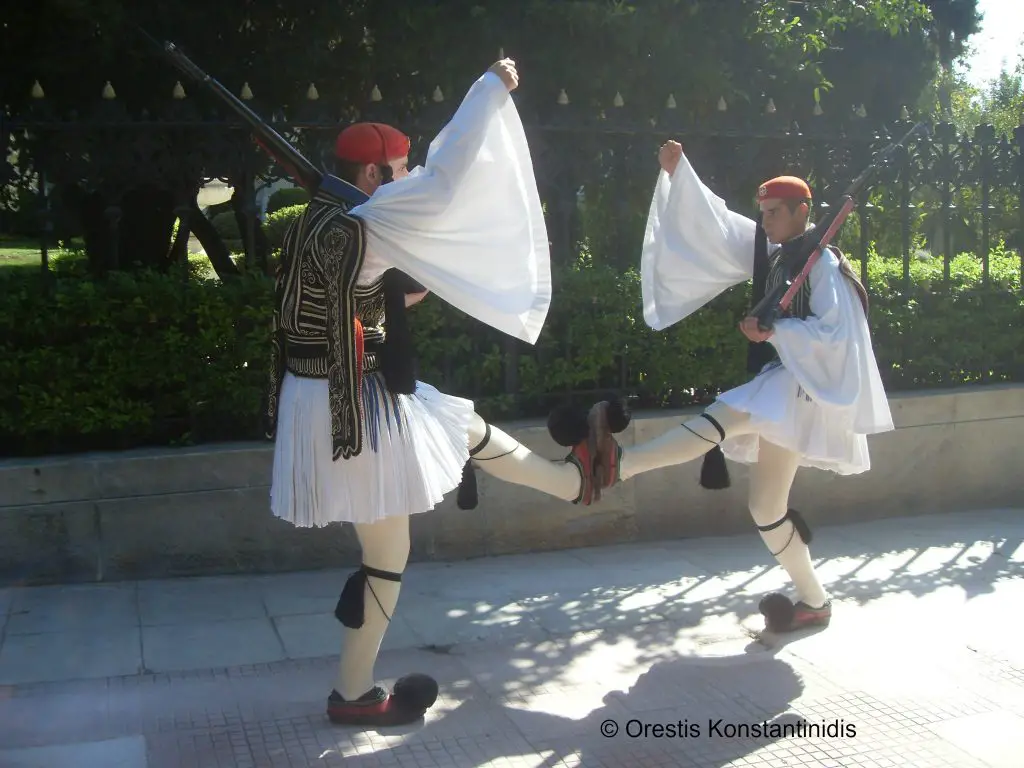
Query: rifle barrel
[
  {"x": 307, "y": 174},
  {"x": 856, "y": 184},
  {"x": 186, "y": 65}
]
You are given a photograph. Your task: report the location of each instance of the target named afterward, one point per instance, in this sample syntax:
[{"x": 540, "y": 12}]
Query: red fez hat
[
  {"x": 371, "y": 143},
  {"x": 785, "y": 187}
]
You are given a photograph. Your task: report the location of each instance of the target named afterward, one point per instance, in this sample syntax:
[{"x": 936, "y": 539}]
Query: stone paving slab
[
  {"x": 128, "y": 752},
  {"x": 921, "y": 660},
  {"x": 289, "y": 616}
]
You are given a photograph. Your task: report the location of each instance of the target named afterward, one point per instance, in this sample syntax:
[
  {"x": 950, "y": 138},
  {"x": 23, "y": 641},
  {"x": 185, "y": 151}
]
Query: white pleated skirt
[
  {"x": 783, "y": 414},
  {"x": 414, "y": 449}
]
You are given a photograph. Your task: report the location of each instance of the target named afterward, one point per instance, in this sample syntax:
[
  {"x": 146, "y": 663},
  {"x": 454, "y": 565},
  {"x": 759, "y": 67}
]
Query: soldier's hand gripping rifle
[
  {"x": 305, "y": 174},
  {"x": 777, "y": 302}
]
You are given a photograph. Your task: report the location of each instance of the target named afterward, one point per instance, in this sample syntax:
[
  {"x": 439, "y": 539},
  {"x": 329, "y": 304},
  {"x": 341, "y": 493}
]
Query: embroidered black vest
[
  {"x": 770, "y": 271},
  {"x": 325, "y": 326},
  {"x": 785, "y": 263}
]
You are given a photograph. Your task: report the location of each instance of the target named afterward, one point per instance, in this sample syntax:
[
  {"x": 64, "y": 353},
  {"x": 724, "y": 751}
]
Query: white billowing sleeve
[
  {"x": 830, "y": 353},
  {"x": 694, "y": 248},
  {"x": 468, "y": 225}
]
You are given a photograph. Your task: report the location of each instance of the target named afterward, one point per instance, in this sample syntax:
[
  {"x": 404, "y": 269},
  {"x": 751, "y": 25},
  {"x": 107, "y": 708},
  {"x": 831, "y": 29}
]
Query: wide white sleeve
[
  {"x": 694, "y": 248},
  {"x": 830, "y": 352},
  {"x": 468, "y": 225}
]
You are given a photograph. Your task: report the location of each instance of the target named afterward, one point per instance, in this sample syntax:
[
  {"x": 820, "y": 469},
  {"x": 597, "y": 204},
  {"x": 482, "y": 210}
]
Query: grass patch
[
  {"x": 11, "y": 258},
  {"x": 24, "y": 252},
  {"x": 18, "y": 252},
  {"x": 21, "y": 253}
]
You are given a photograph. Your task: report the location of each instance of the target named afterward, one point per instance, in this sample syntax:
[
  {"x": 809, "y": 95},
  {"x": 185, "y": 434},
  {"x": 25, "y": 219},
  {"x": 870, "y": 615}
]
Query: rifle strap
[
  {"x": 761, "y": 353},
  {"x": 847, "y": 270}
]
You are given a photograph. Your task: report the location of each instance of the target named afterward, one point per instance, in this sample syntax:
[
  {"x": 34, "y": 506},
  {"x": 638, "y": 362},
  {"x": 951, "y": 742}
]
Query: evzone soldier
[
  {"x": 816, "y": 393},
  {"x": 357, "y": 438}
]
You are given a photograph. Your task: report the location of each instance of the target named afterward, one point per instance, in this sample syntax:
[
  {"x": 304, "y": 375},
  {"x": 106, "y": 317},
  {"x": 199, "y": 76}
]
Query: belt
[{"x": 310, "y": 359}]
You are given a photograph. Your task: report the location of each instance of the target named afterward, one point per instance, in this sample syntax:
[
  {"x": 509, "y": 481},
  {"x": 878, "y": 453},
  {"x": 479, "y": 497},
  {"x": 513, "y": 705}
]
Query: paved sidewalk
[{"x": 540, "y": 657}]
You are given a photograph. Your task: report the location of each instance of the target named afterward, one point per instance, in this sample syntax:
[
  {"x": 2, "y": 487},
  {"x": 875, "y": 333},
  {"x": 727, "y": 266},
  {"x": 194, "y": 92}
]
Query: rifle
[
  {"x": 776, "y": 302},
  {"x": 305, "y": 174}
]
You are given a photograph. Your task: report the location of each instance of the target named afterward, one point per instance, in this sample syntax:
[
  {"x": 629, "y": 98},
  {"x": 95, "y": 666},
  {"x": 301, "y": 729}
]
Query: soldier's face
[
  {"x": 399, "y": 168},
  {"x": 371, "y": 178},
  {"x": 779, "y": 222}
]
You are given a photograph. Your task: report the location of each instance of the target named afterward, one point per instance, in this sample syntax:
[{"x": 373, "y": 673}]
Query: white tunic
[
  {"x": 468, "y": 226},
  {"x": 827, "y": 394}
]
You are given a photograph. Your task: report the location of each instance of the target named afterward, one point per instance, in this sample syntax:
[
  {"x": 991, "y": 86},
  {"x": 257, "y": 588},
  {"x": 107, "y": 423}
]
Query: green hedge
[
  {"x": 935, "y": 334},
  {"x": 144, "y": 359},
  {"x": 139, "y": 359},
  {"x": 278, "y": 221},
  {"x": 285, "y": 198},
  {"x": 274, "y": 227}
]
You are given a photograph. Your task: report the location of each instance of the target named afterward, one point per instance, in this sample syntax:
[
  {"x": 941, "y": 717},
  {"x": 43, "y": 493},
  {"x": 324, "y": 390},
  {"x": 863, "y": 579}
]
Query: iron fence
[{"x": 956, "y": 191}]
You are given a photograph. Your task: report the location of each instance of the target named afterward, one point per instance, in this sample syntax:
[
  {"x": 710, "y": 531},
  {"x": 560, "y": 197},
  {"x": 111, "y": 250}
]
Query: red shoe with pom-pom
[
  {"x": 806, "y": 616},
  {"x": 592, "y": 449},
  {"x": 413, "y": 695}
]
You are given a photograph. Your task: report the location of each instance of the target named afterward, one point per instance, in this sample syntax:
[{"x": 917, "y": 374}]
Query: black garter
[
  {"x": 714, "y": 474},
  {"x": 799, "y": 526},
  {"x": 715, "y": 424},
  {"x": 467, "y": 496},
  {"x": 351, "y": 608},
  {"x": 485, "y": 441}
]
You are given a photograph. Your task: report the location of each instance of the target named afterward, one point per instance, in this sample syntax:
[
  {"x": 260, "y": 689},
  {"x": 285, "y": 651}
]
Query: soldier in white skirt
[
  {"x": 814, "y": 398},
  {"x": 358, "y": 439}
]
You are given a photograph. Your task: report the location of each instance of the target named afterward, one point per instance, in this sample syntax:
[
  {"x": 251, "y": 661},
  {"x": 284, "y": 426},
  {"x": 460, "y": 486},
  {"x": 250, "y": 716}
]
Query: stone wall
[{"x": 193, "y": 511}]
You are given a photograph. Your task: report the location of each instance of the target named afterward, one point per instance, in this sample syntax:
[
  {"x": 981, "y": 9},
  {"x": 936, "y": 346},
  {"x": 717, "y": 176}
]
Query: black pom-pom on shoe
[
  {"x": 415, "y": 692},
  {"x": 567, "y": 425},
  {"x": 618, "y": 414},
  {"x": 778, "y": 611}
]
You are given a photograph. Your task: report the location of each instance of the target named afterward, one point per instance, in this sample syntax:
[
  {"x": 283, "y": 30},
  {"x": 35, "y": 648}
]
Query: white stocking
[
  {"x": 770, "y": 481},
  {"x": 507, "y": 459},
  {"x": 684, "y": 443},
  {"x": 385, "y": 546}
]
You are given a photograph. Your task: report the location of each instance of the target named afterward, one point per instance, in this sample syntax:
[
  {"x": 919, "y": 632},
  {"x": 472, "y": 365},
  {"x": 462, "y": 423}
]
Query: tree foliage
[
  {"x": 838, "y": 52},
  {"x": 697, "y": 49},
  {"x": 1000, "y": 102}
]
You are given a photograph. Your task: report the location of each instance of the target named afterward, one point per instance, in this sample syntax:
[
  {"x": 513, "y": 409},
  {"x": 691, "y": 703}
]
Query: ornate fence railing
[{"x": 595, "y": 168}]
